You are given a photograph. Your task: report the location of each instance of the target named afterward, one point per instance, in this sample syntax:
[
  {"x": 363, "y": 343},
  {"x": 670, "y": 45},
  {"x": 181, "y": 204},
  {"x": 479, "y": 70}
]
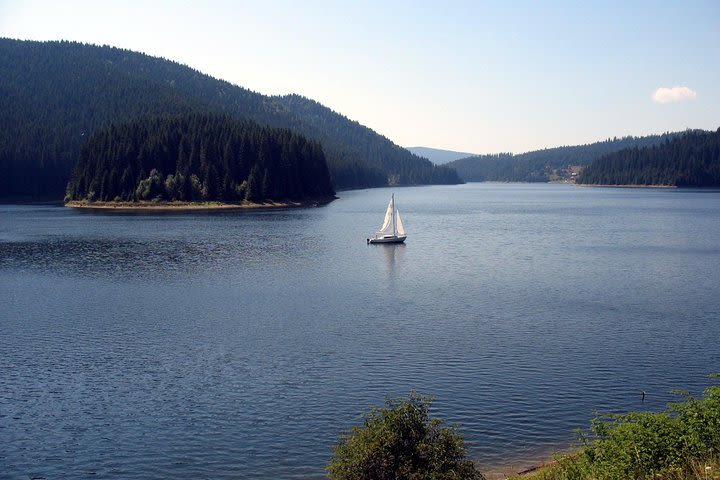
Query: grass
[{"x": 569, "y": 468}]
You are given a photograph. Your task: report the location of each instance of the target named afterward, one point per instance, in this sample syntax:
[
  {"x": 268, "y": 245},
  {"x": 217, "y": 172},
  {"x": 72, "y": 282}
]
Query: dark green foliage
[
  {"x": 401, "y": 442},
  {"x": 645, "y": 445},
  {"x": 637, "y": 445},
  {"x": 689, "y": 160},
  {"x": 539, "y": 165},
  {"x": 198, "y": 157},
  {"x": 53, "y": 95}
]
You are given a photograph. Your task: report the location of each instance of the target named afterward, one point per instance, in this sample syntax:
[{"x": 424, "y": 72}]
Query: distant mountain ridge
[
  {"x": 437, "y": 155},
  {"x": 548, "y": 164},
  {"x": 54, "y": 94}
]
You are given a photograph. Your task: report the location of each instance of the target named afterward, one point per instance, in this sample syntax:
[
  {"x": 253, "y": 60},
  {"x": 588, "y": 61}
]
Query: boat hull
[{"x": 388, "y": 239}]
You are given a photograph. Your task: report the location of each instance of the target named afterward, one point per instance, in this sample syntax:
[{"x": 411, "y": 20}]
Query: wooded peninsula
[{"x": 198, "y": 158}]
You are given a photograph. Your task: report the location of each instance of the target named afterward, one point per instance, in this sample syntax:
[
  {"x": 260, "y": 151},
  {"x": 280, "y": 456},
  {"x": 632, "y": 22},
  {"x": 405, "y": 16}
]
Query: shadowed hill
[
  {"x": 689, "y": 160},
  {"x": 54, "y": 94}
]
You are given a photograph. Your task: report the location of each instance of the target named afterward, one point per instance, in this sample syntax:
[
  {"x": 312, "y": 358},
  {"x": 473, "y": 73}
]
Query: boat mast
[{"x": 393, "y": 215}]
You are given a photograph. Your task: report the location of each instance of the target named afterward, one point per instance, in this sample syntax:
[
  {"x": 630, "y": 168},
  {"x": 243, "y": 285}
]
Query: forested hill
[
  {"x": 55, "y": 94},
  {"x": 198, "y": 157},
  {"x": 544, "y": 165},
  {"x": 689, "y": 160}
]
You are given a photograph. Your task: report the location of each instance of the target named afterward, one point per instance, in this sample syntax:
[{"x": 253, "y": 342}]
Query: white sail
[
  {"x": 398, "y": 223},
  {"x": 387, "y": 226},
  {"x": 392, "y": 230}
]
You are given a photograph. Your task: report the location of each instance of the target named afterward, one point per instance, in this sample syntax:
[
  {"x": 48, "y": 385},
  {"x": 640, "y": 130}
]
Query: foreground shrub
[
  {"x": 401, "y": 442},
  {"x": 683, "y": 442}
]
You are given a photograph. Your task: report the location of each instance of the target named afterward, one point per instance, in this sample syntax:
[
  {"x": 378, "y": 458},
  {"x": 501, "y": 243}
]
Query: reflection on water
[
  {"x": 394, "y": 253},
  {"x": 200, "y": 345}
]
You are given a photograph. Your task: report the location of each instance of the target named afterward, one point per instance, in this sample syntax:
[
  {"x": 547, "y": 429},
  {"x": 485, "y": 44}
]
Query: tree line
[
  {"x": 198, "y": 157},
  {"x": 690, "y": 160},
  {"x": 540, "y": 165}
]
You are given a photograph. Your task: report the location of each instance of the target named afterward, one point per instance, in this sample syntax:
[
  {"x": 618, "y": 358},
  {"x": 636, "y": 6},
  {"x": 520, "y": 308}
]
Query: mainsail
[{"x": 387, "y": 226}]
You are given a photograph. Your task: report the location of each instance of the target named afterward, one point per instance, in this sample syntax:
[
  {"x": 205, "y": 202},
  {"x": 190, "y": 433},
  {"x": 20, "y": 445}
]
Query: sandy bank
[{"x": 192, "y": 206}]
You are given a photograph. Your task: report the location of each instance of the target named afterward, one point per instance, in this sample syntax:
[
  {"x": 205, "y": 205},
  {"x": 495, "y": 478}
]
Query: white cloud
[{"x": 674, "y": 94}]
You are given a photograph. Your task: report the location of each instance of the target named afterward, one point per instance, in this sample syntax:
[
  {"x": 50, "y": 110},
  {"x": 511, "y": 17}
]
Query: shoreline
[
  {"x": 147, "y": 206},
  {"x": 608, "y": 185},
  {"x": 524, "y": 468}
]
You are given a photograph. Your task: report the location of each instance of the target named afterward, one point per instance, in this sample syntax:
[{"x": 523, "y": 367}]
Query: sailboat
[{"x": 392, "y": 230}]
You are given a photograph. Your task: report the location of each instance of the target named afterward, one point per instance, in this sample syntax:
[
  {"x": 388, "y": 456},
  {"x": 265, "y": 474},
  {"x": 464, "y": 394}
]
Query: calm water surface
[{"x": 241, "y": 344}]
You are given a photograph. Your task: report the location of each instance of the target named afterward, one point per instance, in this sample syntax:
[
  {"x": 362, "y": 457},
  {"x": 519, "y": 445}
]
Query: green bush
[
  {"x": 639, "y": 445},
  {"x": 678, "y": 443},
  {"x": 401, "y": 442}
]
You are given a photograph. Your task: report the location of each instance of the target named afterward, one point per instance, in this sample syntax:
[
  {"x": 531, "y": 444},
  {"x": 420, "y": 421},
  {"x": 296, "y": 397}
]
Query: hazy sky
[{"x": 472, "y": 76}]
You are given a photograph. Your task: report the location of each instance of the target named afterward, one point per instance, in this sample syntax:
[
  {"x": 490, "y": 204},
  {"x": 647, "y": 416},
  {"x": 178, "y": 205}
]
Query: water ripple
[{"x": 242, "y": 345}]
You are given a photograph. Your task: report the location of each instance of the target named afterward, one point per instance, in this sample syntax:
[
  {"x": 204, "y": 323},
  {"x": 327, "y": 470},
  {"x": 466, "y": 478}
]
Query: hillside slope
[
  {"x": 690, "y": 160},
  {"x": 543, "y": 165},
  {"x": 54, "y": 94}
]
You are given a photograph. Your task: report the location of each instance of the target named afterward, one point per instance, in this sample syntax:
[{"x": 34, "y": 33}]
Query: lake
[{"x": 242, "y": 344}]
